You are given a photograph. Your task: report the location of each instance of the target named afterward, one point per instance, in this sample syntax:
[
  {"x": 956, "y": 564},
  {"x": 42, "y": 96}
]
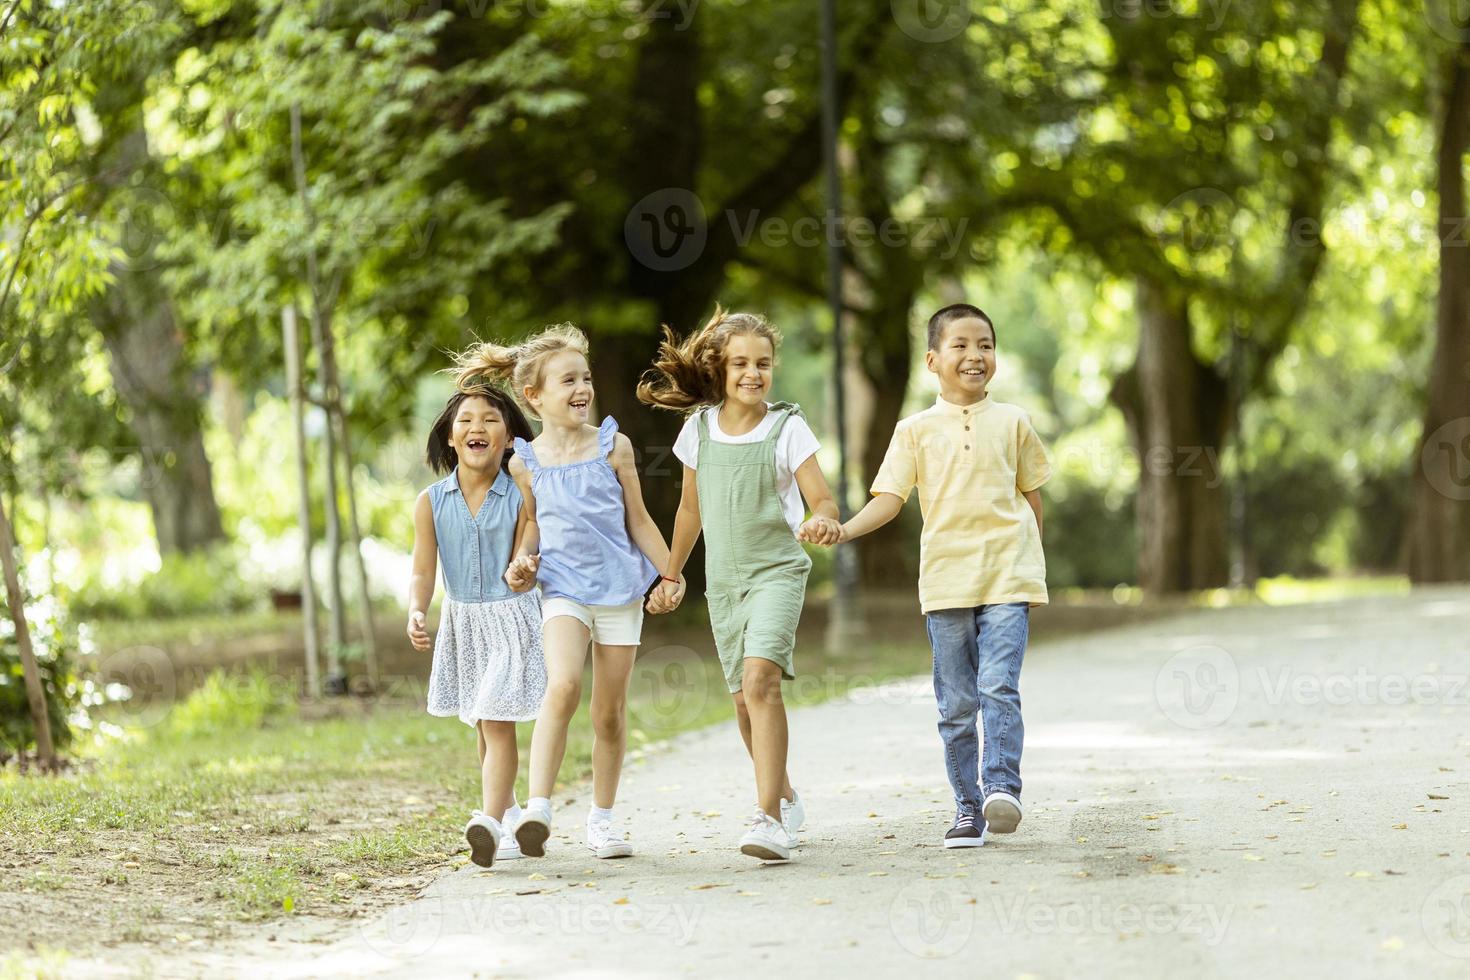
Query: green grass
[{"x": 249, "y": 808}]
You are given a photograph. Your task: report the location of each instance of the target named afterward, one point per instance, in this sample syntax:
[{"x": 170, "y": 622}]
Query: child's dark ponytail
[{"x": 689, "y": 374}]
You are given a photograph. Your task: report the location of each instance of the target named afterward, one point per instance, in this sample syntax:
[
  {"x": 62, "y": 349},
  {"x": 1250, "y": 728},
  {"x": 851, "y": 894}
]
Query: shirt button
[
  {"x": 967, "y": 428},
  {"x": 967, "y": 447}
]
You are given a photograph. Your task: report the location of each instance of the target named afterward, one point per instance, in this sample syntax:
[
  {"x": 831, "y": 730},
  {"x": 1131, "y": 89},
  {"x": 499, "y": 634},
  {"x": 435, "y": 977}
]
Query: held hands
[
  {"x": 666, "y": 597},
  {"x": 418, "y": 633},
  {"x": 520, "y": 575},
  {"x": 823, "y": 531}
]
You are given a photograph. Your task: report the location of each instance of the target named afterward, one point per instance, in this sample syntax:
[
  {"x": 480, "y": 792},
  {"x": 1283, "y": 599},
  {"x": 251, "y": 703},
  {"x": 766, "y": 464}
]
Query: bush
[
  {"x": 1090, "y": 537},
  {"x": 228, "y": 702},
  {"x": 201, "y": 582},
  {"x": 55, "y": 645}
]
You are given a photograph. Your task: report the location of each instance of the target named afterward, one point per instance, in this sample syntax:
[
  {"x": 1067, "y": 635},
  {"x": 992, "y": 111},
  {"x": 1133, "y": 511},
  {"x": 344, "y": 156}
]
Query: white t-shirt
[{"x": 794, "y": 446}]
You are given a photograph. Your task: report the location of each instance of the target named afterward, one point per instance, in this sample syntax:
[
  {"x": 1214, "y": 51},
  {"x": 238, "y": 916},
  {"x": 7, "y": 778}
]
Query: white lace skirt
[{"x": 488, "y": 664}]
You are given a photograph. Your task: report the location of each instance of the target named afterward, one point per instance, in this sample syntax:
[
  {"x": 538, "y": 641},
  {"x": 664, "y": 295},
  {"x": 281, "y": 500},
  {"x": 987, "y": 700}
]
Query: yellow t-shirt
[{"x": 980, "y": 543}]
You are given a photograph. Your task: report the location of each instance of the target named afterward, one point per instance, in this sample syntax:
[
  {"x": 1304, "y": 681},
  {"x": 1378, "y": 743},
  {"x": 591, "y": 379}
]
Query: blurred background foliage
[{"x": 1205, "y": 227}]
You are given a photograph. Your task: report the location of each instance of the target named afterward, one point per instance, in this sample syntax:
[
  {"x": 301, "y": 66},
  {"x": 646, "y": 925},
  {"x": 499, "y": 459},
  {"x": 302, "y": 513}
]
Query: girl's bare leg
[
  {"x": 565, "y": 641},
  {"x": 761, "y": 685},
  {"x": 612, "y": 672}
]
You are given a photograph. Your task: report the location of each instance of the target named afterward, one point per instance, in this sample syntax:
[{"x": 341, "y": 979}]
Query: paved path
[{"x": 1273, "y": 791}]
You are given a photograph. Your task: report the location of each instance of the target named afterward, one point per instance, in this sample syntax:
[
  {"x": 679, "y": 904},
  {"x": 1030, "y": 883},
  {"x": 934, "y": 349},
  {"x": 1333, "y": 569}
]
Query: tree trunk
[
  {"x": 1177, "y": 411},
  {"x": 1439, "y": 529},
  {"x": 296, "y": 391},
  {"x": 135, "y": 316},
  {"x": 35, "y": 693},
  {"x": 151, "y": 374}
]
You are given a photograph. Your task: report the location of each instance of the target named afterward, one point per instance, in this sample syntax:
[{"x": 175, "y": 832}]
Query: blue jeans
[{"x": 977, "y": 667}]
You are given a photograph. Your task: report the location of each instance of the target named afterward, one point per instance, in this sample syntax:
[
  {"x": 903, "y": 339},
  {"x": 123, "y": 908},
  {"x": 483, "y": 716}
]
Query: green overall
[{"x": 755, "y": 569}]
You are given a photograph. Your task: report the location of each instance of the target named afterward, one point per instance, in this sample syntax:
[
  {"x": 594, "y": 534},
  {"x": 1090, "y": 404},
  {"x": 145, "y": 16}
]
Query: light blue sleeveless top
[
  {"x": 586, "y": 553},
  {"x": 474, "y": 550}
]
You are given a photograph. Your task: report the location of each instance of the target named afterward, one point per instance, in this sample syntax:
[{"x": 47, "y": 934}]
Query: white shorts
[{"x": 613, "y": 626}]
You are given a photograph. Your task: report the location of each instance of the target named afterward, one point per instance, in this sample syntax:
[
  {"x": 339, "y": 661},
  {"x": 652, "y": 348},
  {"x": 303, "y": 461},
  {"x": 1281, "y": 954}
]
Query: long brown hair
[
  {"x": 690, "y": 373},
  {"x": 523, "y": 364}
]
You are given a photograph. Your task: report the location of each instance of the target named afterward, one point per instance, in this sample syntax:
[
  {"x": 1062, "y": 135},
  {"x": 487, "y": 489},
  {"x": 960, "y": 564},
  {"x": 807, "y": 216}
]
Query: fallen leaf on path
[
  {"x": 1393, "y": 944},
  {"x": 705, "y": 887},
  {"x": 821, "y": 901},
  {"x": 1254, "y": 857},
  {"x": 536, "y": 876},
  {"x": 1400, "y": 826},
  {"x": 743, "y": 894},
  {"x": 1308, "y": 886},
  {"x": 877, "y": 874},
  {"x": 1436, "y": 796},
  {"x": 621, "y": 901},
  {"x": 1360, "y": 874}
]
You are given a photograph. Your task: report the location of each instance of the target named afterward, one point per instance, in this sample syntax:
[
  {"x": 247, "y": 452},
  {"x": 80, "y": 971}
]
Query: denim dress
[{"x": 488, "y": 662}]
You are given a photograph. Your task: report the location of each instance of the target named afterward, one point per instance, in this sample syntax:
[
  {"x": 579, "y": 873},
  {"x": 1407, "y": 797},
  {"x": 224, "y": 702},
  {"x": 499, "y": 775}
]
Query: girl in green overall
[{"x": 748, "y": 466}]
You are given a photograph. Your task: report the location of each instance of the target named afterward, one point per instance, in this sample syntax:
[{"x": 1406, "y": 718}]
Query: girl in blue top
[
  {"x": 488, "y": 666},
  {"x": 595, "y": 551}
]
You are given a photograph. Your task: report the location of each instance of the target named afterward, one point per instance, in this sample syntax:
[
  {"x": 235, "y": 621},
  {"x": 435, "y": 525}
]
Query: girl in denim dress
[{"x": 488, "y": 667}]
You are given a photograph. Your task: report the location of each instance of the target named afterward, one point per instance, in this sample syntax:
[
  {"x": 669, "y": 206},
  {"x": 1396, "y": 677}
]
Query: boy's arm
[
  {"x": 883, "y": 508},
  {"x": 1033, "y": 497},
  {"x": 891, "y": 487}
]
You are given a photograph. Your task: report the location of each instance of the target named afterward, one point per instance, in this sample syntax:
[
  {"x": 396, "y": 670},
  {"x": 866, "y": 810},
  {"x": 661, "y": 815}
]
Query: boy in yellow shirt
[{"x": 979, "y": 466}]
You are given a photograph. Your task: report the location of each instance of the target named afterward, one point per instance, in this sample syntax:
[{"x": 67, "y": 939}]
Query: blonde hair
[
  {"x": 523, "y": 364},
  {"x": 689, "y": 374}
]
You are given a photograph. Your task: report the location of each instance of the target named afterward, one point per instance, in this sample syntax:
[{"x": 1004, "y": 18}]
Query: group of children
[{"x": 546, "y": 546}]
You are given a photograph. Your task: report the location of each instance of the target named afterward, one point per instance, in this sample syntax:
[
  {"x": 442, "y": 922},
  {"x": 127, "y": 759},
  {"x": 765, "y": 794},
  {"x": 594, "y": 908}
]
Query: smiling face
[
  {"x": 565, "y": 394},
  {"x": 479, "y": 434},
  {"x": 750, "y": 360},
  {"x": 964, "y": 360}
]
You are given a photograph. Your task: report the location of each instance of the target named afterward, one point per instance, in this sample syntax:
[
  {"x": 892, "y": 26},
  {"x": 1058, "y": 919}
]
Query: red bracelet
[{"x": 667, "y": 579}]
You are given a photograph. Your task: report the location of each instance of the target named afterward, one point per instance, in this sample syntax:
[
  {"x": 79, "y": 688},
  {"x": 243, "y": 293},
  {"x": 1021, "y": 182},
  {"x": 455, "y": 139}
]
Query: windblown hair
[
  {"x": 523, "y": 364},
  {"x": 690, "y": 373},
  {"x": 441, "y": 457},
  {"x": 949, "y": 314}
]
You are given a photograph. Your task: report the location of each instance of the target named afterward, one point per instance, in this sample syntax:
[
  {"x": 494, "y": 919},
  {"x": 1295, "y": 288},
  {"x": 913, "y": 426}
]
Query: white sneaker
[
  {"x": 1002, "y": 812},
  {"x": 533, "y": 828},
  {"x": 483, "y": 834},
  {"x": 509, "y": 850},
  {"x": 767, "y": 839},
  {"x": 606, "y": 841},
  {"x": 793, "y": 815}
]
